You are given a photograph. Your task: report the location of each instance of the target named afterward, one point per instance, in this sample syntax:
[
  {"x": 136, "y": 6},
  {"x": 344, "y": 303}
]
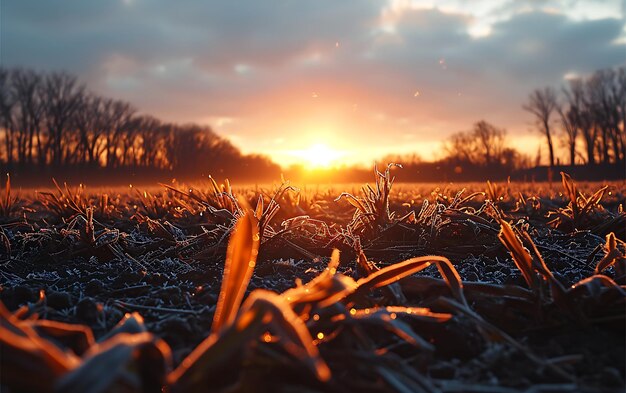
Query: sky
[{"x": 341, "y": 81}]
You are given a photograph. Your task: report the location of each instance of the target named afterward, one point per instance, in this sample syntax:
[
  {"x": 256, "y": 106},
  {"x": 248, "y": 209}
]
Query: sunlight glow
[{"x": 319, "y": 156}]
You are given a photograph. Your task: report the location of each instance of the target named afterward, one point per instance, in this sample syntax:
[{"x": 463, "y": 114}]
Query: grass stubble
[{"x": 355, "y": 325}]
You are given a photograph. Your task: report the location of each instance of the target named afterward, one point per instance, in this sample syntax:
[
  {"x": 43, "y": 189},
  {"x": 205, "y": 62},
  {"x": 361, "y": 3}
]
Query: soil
[{"x": 171, "y": 273}]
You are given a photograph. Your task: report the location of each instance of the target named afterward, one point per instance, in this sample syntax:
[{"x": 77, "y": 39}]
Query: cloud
[{"x": 261, "y": 64}]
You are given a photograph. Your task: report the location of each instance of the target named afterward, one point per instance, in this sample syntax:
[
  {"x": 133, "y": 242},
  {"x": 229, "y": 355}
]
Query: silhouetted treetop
[{"x": 51, "y": 120}]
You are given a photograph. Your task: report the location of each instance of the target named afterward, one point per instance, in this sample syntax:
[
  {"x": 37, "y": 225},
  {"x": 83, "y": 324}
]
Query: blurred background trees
[
  {"x": 51, "y": 124},
  {"x": 542, "y": 103},
  {"x": 483, "y": 149},
  {"x": 589, "y": 114},
  {"x": 51, "y": 121}
]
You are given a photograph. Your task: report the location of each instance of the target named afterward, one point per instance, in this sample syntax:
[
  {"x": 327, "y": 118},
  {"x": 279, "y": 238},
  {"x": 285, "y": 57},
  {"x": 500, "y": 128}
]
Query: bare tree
[
  {"x": 595, "y": 110},
  {"x": 120, "y": 114},
  {"x": 460, "y": 146},
  {"x": 26, "y": 87},
  {"x": 542, "y": 103},
  {"x": 570, "y": 132},
  {"x": 62, "y": 96},
  {"x": 490, "y": 142},
  {"x": 597, "y": 87},
  {"x": 150, "y": 137},
  {"x": 91, "y": 122},
  {"x": 483, "y": 145},
  {"x": 570, "y": 117},
  {"x": 7, "y": 103},
  {"x": 577, "y": 119},
  {"x": 621, "y": 104},
  {"x": 611, "y": 106}
]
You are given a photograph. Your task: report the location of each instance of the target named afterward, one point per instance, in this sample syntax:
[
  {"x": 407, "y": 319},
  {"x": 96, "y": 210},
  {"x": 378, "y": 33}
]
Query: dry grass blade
[
  {"x": 153, "y": 206},
  {"x": 29, "y": 355},
  {"x": 570, "y": 187},
  {"x": 234, "y": 327},
  {"x": 388, "y": 318},
  {"x": 88, "y": 232},
  {"x": 393, "y": 291},
  {"x": 258, "y": 211},
  {"x": 7, "y": 199},
  {"x": 65, "y": 202},
  {"x": 492, "y": 192},
  {"x": 126, "y": 362},
  {"x": 372, "y": 208},
  {"x": 367, "y": 266},
  {"x": 290, "y": 327},
  {"x": 325, "y": 289},
  {"x": 190, "y": 195},
  {"x": 593, "y": 200},
  {"x": 530, "y": 265},
  {"x": 428, "y": 285},
  {"x": 6, "y": 206},
  {"x": 595, "y": 283},
  {"x": 322, "y": 291},
  {"x": 131, "y": 323},
  {"x": 352, "y": 200},
  {"x": 6, "y": 243},
  {"x": 521, "y": 256},
  {"x": 240, "y": 261},
  {"x": 583, "y": 212},
  {"x": 462, "y": 202},
  {"x": 613, "y": 254},
  {"x": 272, "y": 208},
  {"x": 420, "y": 313},
  {"x": 334, "y": 262},
  {"x": 393, "y": 273},
  {"x": 262, "y": 311},
  {"x": 221, "y": 204},
  {"x": 539, "y": 264},
  {"x": 78, "y": 338},
  {"x": 9, "y": 204}
]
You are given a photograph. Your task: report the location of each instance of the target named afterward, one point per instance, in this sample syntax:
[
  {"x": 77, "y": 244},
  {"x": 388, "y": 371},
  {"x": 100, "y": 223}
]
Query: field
[{"x": 433, "y": 288}]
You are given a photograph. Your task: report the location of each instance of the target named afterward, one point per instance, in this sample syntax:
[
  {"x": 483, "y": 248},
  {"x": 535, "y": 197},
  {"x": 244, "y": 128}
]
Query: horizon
[{"x": 300, "y": 85}]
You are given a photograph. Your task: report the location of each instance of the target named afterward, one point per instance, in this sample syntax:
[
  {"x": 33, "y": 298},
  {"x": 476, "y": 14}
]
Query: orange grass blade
[
  {"x": 393, "y": 273},
  {"x": 325, "y": 289},
  {"x": 520, "y": 255},
  {"x": 126, "y": 362},
  {"x": 7, "y": 203},
  {"x": 612, "y": 256},
  {"x": 240, "y": 261},
  {"x": 26, "y": 354},
  {"x": 259, "y": 207},
  {"x": 334, "y": 262},
  {"x": 352, "y": 200},
  {"x": 570, "y": 187},
  {"x": 291, "y": 328}
]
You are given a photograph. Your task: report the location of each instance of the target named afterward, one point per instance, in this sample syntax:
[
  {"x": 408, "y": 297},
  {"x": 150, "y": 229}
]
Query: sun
[{"x": 319, "y": 156}]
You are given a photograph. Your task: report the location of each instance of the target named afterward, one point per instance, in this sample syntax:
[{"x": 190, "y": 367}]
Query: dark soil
[{"x": 171, "y": 273}]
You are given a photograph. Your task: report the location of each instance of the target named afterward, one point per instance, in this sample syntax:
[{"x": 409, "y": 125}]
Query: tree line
[
  {"x": 484, "y": 146},
  {"x": 588, "y": 115},
  {"x": 51, "y": 120}
]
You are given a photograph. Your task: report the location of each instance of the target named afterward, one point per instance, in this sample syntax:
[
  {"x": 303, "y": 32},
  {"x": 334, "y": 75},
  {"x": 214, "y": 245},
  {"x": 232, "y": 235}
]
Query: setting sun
[
  {"x": 252, "y": 186},
  {"x": 318, "y": 156}
]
